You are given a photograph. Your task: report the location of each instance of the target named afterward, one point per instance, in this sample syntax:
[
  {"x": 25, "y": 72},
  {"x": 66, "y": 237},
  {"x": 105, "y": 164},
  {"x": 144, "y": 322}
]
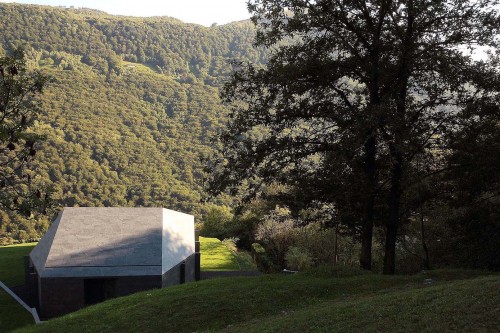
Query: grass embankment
[
  {"x": 12, "y": 263},
  {"x": 13, "y": 315},
  {"x": 316, "y": 302},
  {"x": 216, "y": 256}
]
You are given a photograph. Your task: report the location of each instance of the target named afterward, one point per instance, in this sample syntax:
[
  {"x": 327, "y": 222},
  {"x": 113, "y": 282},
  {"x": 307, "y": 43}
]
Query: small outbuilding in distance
[{"x": 89, "y": 255}]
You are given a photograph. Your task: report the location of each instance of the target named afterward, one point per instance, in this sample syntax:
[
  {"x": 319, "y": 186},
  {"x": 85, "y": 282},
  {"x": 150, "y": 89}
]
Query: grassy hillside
[
  {"x": 216, "y": 256},
  {"x": 317, "y": 302},
  {"x": 12, "y": 315},
  {"x": 12, "y": 263},
  {"x": 324, "y": 300}
]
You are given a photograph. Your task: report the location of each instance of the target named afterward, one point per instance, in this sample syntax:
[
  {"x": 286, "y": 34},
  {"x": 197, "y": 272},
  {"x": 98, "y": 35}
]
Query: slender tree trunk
[
  {"x": 393, "y": 222},
  {"x": 365, "y": 259},
  {"x": 427, "y": 261},
  {"x": 336, "y": 248}
]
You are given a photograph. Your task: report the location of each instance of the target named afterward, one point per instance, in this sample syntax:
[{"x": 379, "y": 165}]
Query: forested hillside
[{"x": 131, "y": 108}]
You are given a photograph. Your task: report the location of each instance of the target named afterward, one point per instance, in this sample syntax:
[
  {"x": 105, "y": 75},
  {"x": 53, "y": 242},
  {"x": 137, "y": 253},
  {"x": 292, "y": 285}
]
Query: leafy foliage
[
  {"x": 103, "y": 41},
  {"x": 355, "y": 98},
  {"x": 18, "y": 144}
]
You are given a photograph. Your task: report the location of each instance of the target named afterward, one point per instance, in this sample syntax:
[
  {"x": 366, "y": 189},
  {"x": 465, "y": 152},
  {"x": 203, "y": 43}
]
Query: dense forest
[{"x": 131, "y": 108}]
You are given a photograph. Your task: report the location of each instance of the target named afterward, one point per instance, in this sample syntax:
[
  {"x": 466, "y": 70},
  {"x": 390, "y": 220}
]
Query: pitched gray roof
[{"x": 98, "y": 241}]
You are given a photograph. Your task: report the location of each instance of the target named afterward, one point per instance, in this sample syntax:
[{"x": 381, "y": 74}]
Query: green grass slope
[
  {"x": 216, "y": 256},
  {"x": 317, "y": 302},
  {"x": 13, "y": 315},
  {"x": 12, "y": 263},
  {"x": 462, "y": 306}
]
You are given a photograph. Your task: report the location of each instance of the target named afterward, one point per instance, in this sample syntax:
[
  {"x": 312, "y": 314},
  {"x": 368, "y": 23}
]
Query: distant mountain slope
[
  {"x": 132, "y": 108},
  {"x": 172, "y": 46}
]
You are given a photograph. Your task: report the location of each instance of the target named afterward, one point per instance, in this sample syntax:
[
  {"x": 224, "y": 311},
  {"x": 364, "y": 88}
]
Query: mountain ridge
[{"x": 132, "y": 107}]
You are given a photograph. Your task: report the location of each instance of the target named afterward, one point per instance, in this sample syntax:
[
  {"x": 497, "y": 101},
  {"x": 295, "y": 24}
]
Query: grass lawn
[
  {"x": 12, "y": 314},
  {"x": 322, "y": 301},
  {"x": 12, "y": 263},
  {"x": 216, "y": 256}
]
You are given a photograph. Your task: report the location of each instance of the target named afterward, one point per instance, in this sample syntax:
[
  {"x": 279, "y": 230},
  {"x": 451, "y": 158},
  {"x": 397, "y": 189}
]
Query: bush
[
  {"x": 261, "y": 259},
  {"x": 7, "y": 241},
  {"x": 277, "y": 233},
  {"x": 298, "y": 259},
  {"x": 217, "y": 222},
  {"x": 320, "y": 244},
  {"x": 230, "y": 243}
]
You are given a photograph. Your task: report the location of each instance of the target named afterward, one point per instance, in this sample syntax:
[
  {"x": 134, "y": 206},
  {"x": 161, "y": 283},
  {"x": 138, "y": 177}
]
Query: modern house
[{"x": 89, "y": 255}]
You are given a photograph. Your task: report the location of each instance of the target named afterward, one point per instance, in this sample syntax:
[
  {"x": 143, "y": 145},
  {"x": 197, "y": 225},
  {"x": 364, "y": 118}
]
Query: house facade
[{"x": 89, "y": 255}]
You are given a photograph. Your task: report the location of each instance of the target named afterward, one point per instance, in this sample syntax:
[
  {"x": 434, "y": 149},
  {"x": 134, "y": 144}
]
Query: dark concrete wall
[
  {"x": 127, "y": 285},
  {"x": 174, "y": 275},
  {"x": 59, "y": 296},
  {"x": 30, "y": 283},
  {"x": 190, "y": 269}
]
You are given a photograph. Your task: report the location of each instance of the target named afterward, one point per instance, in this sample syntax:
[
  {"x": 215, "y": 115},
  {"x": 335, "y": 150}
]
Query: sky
[{"x": 203, "y": 12}]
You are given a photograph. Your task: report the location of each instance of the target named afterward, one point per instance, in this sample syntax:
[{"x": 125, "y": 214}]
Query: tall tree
[
  {"x": 358, "y": 89},
  {"x": 18, "y": 143},
  {"x": 475, "y": 181}
]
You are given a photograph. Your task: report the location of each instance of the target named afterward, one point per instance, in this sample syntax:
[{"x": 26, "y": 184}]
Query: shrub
[
  {"x": 217, "y": 222},
  {"x": 230, "y": 243},
  {"x": 261, "y": 259},
  {"x": 320, "y": 244},
  {"x": 277, "y": 233},
  {"x": 298, "y": 259},
  {"x": 6, "y": 241}
]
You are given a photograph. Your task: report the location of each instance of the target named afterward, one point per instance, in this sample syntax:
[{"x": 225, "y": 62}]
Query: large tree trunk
[
  {"x": 394, "y": 219},
  {"x": 365, "y": 259},
  {"x": 390, "y": 249},
  {"x": 396, "y": 147}
]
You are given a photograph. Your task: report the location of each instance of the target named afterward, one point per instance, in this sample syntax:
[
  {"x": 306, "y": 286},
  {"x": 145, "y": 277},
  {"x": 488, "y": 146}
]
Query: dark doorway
[{"x": 98, "y": 290}]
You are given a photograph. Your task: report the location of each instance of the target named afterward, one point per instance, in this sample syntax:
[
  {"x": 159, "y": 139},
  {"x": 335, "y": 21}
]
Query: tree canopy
[
  {"x": 356, "y": 103},
  {"x": 18, "y": 143}
]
